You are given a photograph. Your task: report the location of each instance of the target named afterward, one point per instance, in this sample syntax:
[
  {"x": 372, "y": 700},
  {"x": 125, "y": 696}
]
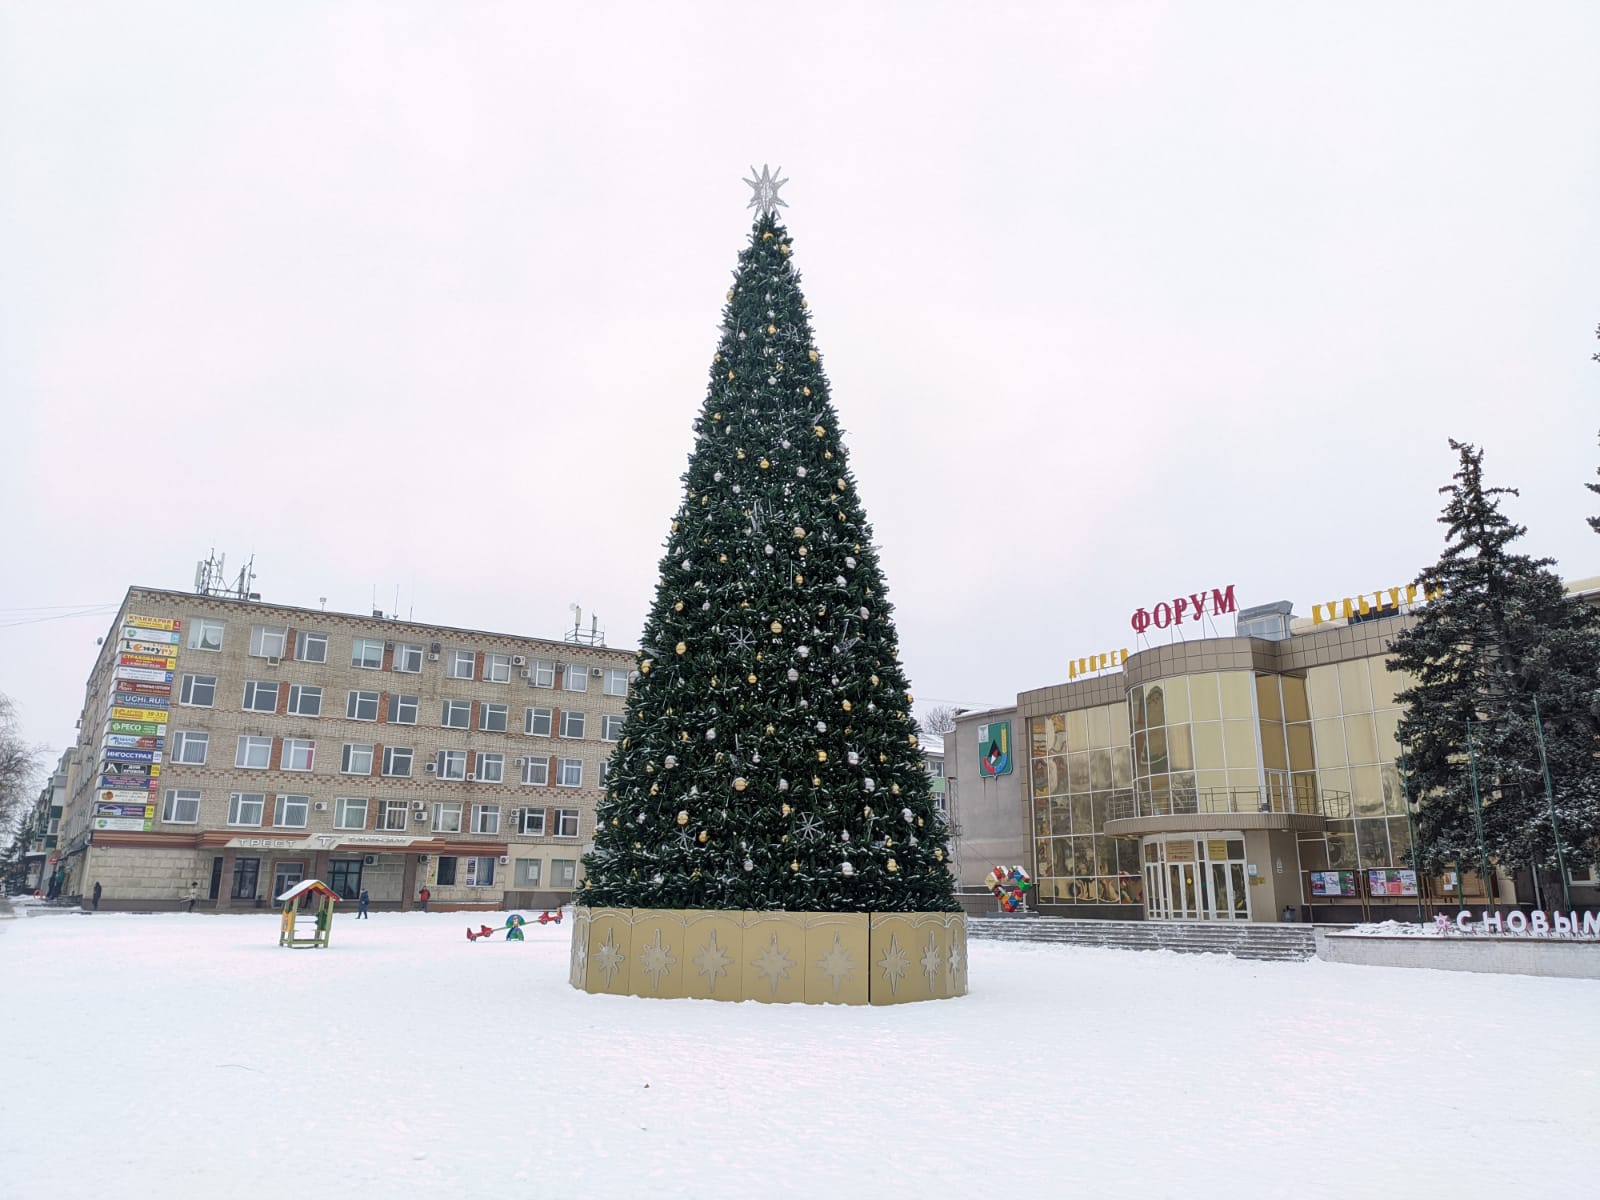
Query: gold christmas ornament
[
  {"x": 702, "y": 837},
  {"x": 845, "y": 704},
  {"x": 785, "y": 809},
  {"x": 684, "y": 736},
  {"x": 819, "y": 430},
  {"x": 722, "y": 558},
  {"x": 866, "y": 810},
  {"x": 894, "y": 789},
  {"x": 644, "y": 667},
  {"x": 892, "y": 865},
  {"x": 772, "y": 729},
  {"x": 939, "y": 854},
  {"x": 816, "y": 781},
  {"x": 799, "y": 580},
  {"x": 730, "y": 374},
  {"x": 764, "y": 464},
  {"x": 822, "y": 756},
  {"x": 739, "y": 452},
  {"x": 919, "y": 821},
  {"x": 799, "y": 531},
  {"x": 649, "y": 768},
  {"x": 681, "y": 648},
  {"x": 614, "y": 821},
  {"x": 874, "y": 681},
  {"x": 654, "y": 788},
  {"x": 674, "y": 527},
  {"x": 730, "y": 297},
  {"x": 805, "y": 391},
  {"x": 783, "y": 247},
  {"x": 794, "y": 864},
  {"x": 776, "y": 627},
  {"x": 772, "y": 329},
  {"x": 714, "y": 681},
  {"x": 813, "y": 354},
  {"x": 767, "y": 236},
  {"x": 912, "y": 739},
  {"x": 750, "y": 678},
  {"x": 828, "y": 454},
  {"x": 683, "y": 817},
  {"x": 841, "y": 485},
  {"x": 678, "y": 607},
  {"x": 740, "y": 784}
]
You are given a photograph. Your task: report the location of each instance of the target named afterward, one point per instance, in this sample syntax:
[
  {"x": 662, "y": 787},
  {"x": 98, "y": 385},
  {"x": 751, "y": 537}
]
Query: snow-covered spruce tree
[
  {"x": 768, "y": 757},
  {"x": 1501, "y": 635}
]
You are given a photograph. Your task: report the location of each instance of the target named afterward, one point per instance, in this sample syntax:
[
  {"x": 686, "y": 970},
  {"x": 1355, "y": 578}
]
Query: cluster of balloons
[{"x": 1008, "y": 885}]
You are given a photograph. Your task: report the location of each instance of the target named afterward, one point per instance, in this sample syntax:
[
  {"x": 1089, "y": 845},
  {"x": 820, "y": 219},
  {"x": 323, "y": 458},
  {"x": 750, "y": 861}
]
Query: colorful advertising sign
[
  {"x": 1392, "y": 883},
  {"x": 155, "y": 662},
  {"x": 142, "y": 728},
  {"x": 123, "y": 824},
  {"x": 125, "y": 810},
  {"x": 147, "y": 674},
  {"x": 1333, "y": 883},
  {"x": 1383, "y": 601},
  {"x": 124, "y": 783},
  {"x": 133, "y": 741},
  {"x": 994, "y": 749},
  {"x": 123, "y": 796},
  {"x": 123, "y": 754},
  {"x": 155, "y": 715},
  {"x": 1193, "y": 607},
  {"x": 154, "y": 648},
  {"x": 163, "y": 636},
  {"x": 139, "y": 700},
  {"x": 166, "y": 623}
]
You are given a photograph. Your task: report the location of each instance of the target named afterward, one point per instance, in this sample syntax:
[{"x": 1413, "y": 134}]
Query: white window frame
[
  {"x": 542, "y": 673},
  {"x": 536, "y": 771},
  {"x": 355, "y": 700},
  {"x": 491, "y": 767},
  {"x": 568, "y": 818},
  {"x": 184, "y": 740},
  {"x": 351, "y": 754},
  {"x": 563, "y": 872},
  {"x": 282, "y": 811},
  {"x": 450, "y": 764},
  {"x": 497, "y": 668},
  {"x": 191, "y": 684},
  {"x": 236, "y": 808},
  {"x": 447, "y": 816},
  {"x": 252, "y": 692},
  {"x": 576, "y": 766},
  {"x": 457, "y": 660},
  {"x": 531, "y": 715},
  {"x": 344, "y": 806},
  {"x": 452, "y": 708},
  {"x": 304, "y": 640},
  {"x": 502, "y": 711},
  {"x": 616, "y": 681},
  {"x": 400, "y": 705},
  {"x": 573, "y": 674},
  {"x": 386, "y": 816},
  {"x": 201, "y": 631},
  {"x": 528, "y": 873},
  {"x": 176, "y": 802},
  {"x": 305, "y": 700},
  {"x": 486, "y": 818},
  {"x": 264, "y": 637},
  {"x": 292, "y": 747},
  {"x": 611, "y": 727},
  {"x": 392, "y": 758},
  {"x": 408, "y": 658},
  {"x": 366, "y": 654},
  {"x": 247, "y": 747},
  {"x": 533, "y": 822},
  {"x": 480, "y": 871},
  {"x": 573, "y": 719}
]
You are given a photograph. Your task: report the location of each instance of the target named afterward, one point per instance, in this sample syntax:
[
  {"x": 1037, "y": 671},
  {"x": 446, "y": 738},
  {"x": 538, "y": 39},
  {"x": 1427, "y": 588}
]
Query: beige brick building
[{"x": 239, "y": 746}]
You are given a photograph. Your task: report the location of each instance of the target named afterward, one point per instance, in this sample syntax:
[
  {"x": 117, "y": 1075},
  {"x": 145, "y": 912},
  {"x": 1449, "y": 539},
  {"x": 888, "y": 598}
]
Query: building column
[
  {"x": 408, "y": 883},
  {"x": 225, "y": 885}
]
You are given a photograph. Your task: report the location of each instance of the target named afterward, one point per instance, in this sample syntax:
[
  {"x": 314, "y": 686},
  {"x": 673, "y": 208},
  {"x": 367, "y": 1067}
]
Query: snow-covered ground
[{"x": 176, "y": 1055}]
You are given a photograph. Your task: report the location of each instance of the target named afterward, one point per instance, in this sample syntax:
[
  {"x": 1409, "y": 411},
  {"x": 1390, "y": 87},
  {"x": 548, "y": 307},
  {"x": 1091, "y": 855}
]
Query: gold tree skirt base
[{"x": 777, "y": 957}]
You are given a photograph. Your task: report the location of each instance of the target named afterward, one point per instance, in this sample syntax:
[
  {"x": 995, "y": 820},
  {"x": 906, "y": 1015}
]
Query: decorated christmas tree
[{"x": 768, "y": 758}]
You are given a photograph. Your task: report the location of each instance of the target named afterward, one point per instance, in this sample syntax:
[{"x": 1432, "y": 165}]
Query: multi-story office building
[
  {"x": 237, "y": 747},
  {"x": 37, "y": 833}
]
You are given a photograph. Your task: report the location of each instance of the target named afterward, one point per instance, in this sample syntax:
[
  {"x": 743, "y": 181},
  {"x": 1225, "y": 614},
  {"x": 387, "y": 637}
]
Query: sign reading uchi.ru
[
  {"x": 1556, "y": 924},
  {"x": 1194, "y": 607}
]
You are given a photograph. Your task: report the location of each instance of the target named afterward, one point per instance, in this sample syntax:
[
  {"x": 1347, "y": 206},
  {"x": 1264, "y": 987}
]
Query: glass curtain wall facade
[{"x": 1082, "y": 777}]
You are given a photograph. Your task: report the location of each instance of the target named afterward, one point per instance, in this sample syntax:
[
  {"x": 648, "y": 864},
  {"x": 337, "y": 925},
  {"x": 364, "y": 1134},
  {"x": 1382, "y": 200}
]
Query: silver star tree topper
[{"x": 765, "y": 186}]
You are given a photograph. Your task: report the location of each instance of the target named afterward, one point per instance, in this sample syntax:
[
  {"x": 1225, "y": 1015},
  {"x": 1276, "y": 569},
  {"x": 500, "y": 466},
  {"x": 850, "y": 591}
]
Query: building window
[
  {"x": 366, "y": 653},
  {"x": 485, "y": 818},
  {"x": 397, "y": 761},
  {"x": 542, "y": 673},
  {"x": 611, "y": 727},
  {"x": 350, "y": 812},
  {"x": 575, "y": 678},
  {"x": 245, "y": 871},
  {"x": 936, "y": 768},
  {"x": 291, "y": 812},
  {"x": 254, "y": 752},
  {"x": 446, "y": 817},
  {"x": 569, "y": 772},
  {"x": 260, "y": 697},
  {"x": 361, "y": 706},
  {"x": 491, "y": 768},
  {"x": 189, "y": 747},
  {"x": 245, "y": 808},
  {"x": 457, "y": 714},
  {"x": 526, "y": 873},
  {"x": 310, "y": 647},
  {"x": 204, "y": 634},
  {"x": 536, "y": 722},
  {"x": 268, "y": 641},
  {"x": 392, "y": 816},
  {"x": 407, "y": 657},
  {"x": 616, "y": 681},
  {"x": 492, "y": 718},
  {"x": 198, "y": 691},
  {"x": 182, "y": 806},
  {"x": 356, "y": 759},
  {"x": 566, "y": 822},
  {"x": 497, "y": 668},
  {"x": 403, "y": 710},
  {"x": 563, "y": 872},
  {"x": 461, "y": 664},
  {"x": 451, "y": 764},
  {"x": 533, "y": 822},
  {"x": 480, "y": 871},
  {"x": 571, "y": 723},
  {"x": 536, "y": 771},
  {"x": 298, "y": 754},
  {"x": 304, "y": 700},
  {"x": 445, "y": 876}
]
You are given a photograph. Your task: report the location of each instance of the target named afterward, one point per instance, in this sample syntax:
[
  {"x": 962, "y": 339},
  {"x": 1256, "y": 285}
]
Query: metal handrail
[{"x": 1329, "y": 803}]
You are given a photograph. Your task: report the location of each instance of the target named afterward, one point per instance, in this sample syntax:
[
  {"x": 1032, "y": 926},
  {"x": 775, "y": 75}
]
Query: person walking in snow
[
  {"x": 96, "y": 895},
  {"x": 424, "y": 896},
  {"x": 362, "y": 911},
  {"x": 194, "y": 894}
]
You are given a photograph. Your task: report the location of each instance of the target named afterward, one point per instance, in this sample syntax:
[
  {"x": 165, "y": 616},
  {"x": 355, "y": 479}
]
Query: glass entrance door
[
  {"x": 285, "y": 875},
  {"x": 1190, "y": 878}
]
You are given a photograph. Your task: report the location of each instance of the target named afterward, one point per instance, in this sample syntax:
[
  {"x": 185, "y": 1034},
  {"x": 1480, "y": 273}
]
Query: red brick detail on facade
[
  {"x": 275, "y": 760},
  {"x": 377, "y": 761},
  {"x": 472, "y": 762},
  {"x": 288, "y": 644},
  {"x": 388, "y": 656},
  {"x": 283, "y": 699},
  {"x": 477, "y": 665},
  {"x": 383, "y": 700}
]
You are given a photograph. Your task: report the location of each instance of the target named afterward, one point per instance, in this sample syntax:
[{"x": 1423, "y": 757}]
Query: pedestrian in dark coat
[
  {"x": 365, "y": 899},
  {"x": 96, "y": 895}
]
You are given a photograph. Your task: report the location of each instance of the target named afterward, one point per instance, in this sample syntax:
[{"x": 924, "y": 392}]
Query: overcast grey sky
[{"x": 1117, "y": 301}]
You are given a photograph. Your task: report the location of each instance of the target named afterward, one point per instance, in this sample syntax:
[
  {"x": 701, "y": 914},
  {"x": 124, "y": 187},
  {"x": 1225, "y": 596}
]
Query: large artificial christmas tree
[
  {"x": 768, "y": 758},
  {"x": 1502, "y": 656}
]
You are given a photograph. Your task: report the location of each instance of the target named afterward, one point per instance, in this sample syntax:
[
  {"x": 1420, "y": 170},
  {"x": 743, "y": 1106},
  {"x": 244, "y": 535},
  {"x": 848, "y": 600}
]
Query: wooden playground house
[{"x": 307, "y": 892}]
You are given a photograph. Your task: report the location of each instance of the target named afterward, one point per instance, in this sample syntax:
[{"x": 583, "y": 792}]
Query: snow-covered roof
[
  {"x": 308, "y": 885},
  {"x": 931, "y": 743}
]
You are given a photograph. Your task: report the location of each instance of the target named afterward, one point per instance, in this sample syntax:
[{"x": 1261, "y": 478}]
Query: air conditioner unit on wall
[
  {"x": 368, "y": 860},
  {"x": 419, "y": 815},
  {"x": 433, "y": 656},
  {"x": 321, "y": 806},
  {"x": 422, "y": 858},
  {"x": 519, "y": 762},
  {"x": 518, "y": 660},
  {"x": 505, "y": 860},
  {"x": 273, "y": 660},
  {"x": 430, "y": 768},
  {"x": 597, "y": 672},
  {"x": 472, "y": 777},
  {"x": 526, "y": 674}
]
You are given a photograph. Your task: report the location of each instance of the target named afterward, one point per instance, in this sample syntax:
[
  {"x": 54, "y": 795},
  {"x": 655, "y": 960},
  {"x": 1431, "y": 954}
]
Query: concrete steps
[{"x": 1271, "y": 943}]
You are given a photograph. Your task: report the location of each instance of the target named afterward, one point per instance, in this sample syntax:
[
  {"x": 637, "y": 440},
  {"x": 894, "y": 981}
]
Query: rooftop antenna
[{"x": 211, "y": 578}]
